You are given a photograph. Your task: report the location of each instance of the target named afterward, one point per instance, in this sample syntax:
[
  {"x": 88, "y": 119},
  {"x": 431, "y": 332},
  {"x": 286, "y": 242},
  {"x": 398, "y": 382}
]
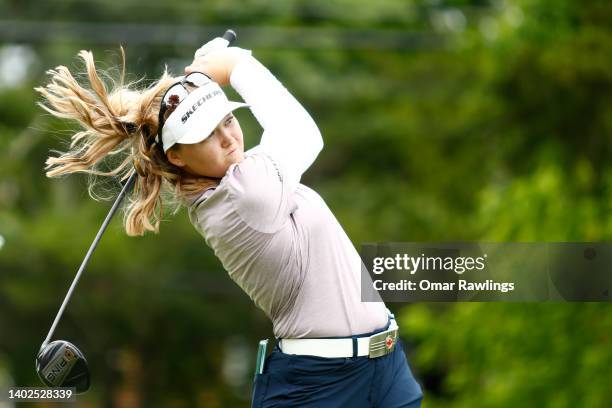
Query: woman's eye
[{"x": 229, "y": 120}]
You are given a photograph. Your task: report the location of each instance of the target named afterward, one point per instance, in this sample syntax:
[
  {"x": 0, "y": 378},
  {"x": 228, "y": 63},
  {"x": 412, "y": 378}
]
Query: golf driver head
[{"x": 61, "y": 364}]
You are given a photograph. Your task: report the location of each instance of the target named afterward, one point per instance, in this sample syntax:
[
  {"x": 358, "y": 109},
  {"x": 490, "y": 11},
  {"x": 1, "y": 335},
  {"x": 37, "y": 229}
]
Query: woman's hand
[{"x": 218, "y": 63}]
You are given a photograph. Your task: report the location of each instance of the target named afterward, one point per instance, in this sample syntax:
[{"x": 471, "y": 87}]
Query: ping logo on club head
[{"x": 60, "y": 365}]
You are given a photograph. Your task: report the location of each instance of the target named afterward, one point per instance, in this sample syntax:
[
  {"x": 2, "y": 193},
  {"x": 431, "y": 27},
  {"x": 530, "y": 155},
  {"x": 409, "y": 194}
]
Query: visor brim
[{"x": 201, "y": 131}]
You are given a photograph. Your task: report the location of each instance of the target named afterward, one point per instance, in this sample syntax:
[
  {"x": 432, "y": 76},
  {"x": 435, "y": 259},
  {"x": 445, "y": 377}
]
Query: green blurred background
[{"x": 482, "y": 120}]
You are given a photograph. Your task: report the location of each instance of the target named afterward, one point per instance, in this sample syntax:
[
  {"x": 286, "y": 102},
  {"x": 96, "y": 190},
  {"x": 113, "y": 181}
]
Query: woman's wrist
[{"x": 219, "y": 64}]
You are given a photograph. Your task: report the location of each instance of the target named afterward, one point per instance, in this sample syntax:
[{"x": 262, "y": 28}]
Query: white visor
[{"x": 197, "y": 116}]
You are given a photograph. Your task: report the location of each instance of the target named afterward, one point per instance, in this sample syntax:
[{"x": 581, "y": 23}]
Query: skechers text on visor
[{"x": 191, "y": 109}]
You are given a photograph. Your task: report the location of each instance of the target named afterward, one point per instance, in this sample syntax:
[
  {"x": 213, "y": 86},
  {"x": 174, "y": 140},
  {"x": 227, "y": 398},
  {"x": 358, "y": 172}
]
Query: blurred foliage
[
  {"x": 505, "y": 355},
  {"x": 498, "y": 129}
]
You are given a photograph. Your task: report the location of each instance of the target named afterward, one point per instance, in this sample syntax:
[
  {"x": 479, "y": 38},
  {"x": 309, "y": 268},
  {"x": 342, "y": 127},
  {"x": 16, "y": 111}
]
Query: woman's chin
[{"x": 236, "y": 156}]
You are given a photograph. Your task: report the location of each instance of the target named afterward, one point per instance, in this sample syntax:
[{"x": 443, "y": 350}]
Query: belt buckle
[{"x": 382, "y": 343}]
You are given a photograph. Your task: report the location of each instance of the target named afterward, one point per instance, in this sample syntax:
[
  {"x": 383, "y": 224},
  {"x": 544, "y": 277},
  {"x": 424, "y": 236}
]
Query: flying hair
[{"x": 117, "y": 133}]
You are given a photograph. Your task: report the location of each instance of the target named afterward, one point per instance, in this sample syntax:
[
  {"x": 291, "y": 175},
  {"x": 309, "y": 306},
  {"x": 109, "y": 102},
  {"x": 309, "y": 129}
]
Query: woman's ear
[{"x": 175, "y": 158}]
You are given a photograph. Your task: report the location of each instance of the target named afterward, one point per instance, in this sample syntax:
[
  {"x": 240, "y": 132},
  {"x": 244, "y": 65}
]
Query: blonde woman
[{"x": 276, "y": 237}]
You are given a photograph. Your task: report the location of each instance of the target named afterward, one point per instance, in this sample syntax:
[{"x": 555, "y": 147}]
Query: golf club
[{"x": 60, "y": 363}]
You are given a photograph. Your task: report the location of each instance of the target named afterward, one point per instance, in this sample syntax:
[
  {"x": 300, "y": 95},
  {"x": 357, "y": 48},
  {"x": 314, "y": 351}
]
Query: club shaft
[{"x": 92, "y": 248}]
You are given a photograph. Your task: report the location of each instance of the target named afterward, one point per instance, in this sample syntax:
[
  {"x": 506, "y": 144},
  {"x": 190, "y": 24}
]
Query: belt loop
[{"x": 354, "y": 347}]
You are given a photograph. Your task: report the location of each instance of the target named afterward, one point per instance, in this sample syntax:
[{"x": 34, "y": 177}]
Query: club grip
[{"x": 230, "y": 36}]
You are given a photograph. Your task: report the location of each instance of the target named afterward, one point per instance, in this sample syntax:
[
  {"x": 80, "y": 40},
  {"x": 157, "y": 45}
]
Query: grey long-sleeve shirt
[{"x": 276, "y": 237}]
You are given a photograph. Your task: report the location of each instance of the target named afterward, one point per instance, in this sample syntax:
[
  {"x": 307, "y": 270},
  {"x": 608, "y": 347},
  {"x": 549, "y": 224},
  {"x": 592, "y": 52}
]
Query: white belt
[{"x": 377, "y": 345}]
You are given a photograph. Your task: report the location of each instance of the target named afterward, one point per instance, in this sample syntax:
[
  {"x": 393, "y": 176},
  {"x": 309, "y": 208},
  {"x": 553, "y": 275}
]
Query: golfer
[{"x": 276, "y": 237}]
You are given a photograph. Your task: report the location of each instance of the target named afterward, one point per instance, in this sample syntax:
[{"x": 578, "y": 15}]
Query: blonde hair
[{"x": 118, "y": 131}]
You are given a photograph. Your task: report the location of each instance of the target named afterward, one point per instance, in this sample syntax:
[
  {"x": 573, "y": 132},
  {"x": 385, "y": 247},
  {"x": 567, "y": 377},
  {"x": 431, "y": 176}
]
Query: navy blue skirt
[{"x": 310, "y": 381}]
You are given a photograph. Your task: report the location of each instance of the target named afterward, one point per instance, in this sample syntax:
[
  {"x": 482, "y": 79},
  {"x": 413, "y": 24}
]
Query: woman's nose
[{"x": 226, "y": 138}]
